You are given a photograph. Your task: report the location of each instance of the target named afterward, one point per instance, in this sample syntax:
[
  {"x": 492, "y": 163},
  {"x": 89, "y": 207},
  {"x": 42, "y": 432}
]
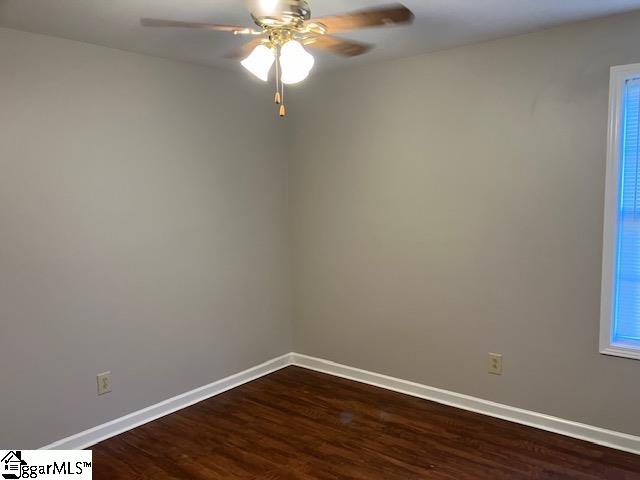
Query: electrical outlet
[
  {"x": 104, "y": 383},
  {"x": 495, "y": 363}
]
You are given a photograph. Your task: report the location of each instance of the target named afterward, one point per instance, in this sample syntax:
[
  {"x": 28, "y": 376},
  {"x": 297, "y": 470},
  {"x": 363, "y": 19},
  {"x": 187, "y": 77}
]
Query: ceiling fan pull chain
[
  {"x": 279, "y": 85},
  {"x": 278, "y": 98},
  {"x": 283, "y": 109}
]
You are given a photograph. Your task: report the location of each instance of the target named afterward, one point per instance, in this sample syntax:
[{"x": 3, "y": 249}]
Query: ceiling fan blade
[
  {"x": 339, "y": 46},
  {"x": 243, "y": 51},
  {"x": 155, "y": 22},
  {"x": 374, "y": 17}
]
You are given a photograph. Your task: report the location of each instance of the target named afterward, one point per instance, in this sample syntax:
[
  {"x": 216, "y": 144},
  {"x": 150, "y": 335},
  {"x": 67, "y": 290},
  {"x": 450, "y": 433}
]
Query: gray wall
[
  {"x": 451, "y": 205},
  {"x": 142, "y": 231}
]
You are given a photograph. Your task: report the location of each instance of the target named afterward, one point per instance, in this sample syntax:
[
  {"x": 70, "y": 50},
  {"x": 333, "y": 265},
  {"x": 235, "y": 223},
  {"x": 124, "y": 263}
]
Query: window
[{"x": 620, "y": 314}]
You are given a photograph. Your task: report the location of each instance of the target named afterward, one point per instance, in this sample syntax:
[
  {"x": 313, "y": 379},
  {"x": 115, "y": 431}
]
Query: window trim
[{"x": 618, "y": 77}]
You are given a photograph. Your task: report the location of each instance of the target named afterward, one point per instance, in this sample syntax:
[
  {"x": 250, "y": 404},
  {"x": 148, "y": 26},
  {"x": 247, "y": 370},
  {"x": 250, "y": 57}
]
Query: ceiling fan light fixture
[
  {"x": 260, "y": 61},
  {"x": 295, "y": 61}
]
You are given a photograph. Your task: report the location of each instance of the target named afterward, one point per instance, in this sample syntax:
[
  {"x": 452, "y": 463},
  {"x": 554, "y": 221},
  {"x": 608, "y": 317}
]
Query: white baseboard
[
  {"x": 600, "y": 436},
  {"x": 119, "y": 425}
]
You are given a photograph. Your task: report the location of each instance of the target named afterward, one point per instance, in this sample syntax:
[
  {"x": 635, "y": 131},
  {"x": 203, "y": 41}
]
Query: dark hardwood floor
[{"x": 299, "y": 424}]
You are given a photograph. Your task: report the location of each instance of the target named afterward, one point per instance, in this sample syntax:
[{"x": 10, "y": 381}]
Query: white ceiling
[{"x": 439, "y": 24}]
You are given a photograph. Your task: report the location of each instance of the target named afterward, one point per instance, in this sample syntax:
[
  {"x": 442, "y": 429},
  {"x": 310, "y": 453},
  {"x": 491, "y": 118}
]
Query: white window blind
[
  {"x": 626, "y": 295},
  {"x": 620, "y": 297}
]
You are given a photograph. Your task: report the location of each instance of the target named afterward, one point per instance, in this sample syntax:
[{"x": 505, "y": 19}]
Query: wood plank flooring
[{"x": 299, "y": 424}]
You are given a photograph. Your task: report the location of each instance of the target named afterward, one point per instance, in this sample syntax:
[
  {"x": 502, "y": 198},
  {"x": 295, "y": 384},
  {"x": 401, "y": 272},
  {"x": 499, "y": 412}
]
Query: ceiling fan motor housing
[{"x": 287, "y": 13}]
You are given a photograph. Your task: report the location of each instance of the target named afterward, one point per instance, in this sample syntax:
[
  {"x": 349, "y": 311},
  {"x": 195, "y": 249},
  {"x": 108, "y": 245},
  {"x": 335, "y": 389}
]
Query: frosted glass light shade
[
  {"x": 259, "y": 62},
  {"x": 295, "y": 61}
]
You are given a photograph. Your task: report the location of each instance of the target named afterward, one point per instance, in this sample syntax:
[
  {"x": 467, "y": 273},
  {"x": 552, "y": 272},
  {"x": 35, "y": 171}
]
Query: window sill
[{"x": 620, "y": 351}]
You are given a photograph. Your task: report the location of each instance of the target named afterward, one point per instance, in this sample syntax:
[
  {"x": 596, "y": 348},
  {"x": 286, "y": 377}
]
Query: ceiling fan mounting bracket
[{"x": 287, "y": 14}]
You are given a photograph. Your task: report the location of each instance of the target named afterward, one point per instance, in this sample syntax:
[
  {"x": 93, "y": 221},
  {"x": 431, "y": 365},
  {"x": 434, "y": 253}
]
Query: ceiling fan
[{"x": 285, "y": 27}]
